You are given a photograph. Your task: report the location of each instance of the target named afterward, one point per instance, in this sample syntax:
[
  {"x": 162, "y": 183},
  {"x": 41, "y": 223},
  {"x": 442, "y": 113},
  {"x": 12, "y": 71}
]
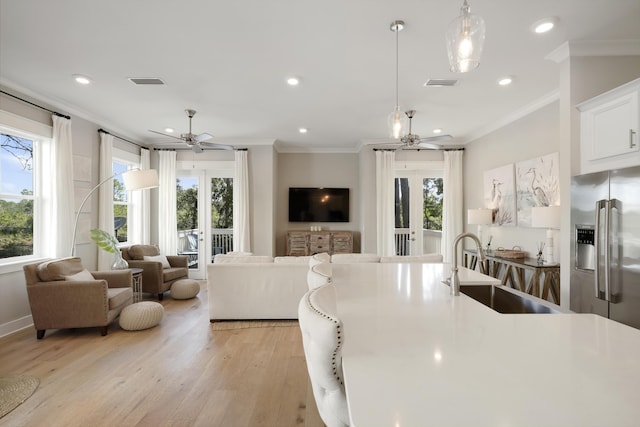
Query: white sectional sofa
[{"x": 262, "y": 287}]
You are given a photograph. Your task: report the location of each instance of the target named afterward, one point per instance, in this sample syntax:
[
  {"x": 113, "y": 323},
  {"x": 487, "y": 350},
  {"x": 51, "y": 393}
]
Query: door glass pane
[
  {"x": 432, "y": 189},
  {"x": 402, "y": 215},
  {"x": 187, "y": 218},
  {"x": 221, "y": 215}
]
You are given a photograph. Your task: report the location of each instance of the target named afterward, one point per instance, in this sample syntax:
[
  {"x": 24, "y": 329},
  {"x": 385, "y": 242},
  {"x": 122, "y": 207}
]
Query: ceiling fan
[
  {"x": 413, "y": 141},
  {"x": 196, "y": 142}
]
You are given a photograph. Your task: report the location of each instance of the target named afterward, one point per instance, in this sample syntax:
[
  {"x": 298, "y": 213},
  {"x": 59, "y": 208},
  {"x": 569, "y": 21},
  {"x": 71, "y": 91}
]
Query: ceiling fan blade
[
  {"x": 196, "y": 148},
  {"x": 169, "y": 136},
  {"x": 203, "y": 137},
  {"x": 436, "y": 138},
  {"x": 216, "y": 146}
]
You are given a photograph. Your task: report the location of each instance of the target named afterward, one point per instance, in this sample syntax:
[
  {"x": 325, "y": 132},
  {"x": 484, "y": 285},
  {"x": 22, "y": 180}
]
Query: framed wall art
[
  {"x": 536, "y": 185},
  {"x": 499, "y": 194}
]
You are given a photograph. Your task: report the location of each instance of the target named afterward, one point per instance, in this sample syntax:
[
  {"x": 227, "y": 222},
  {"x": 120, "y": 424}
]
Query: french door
[
  {"x": 204, "y": 210},
  {"x": 418, "y": 210}
]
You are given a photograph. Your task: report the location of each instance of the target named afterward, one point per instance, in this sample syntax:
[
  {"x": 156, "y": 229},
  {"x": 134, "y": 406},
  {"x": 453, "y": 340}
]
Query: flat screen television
[{"x": 318, "y": 204}]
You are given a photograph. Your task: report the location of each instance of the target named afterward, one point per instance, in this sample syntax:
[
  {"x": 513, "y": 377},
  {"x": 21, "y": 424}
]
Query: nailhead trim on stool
[
  {"x": 184, "y": 289},
  {"x": 141, "y": 315}
]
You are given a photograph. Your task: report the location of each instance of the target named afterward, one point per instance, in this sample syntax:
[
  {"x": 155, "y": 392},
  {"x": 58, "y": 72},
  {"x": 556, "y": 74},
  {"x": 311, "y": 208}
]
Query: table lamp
[
  {"x": 547, "y": 217},
  {"x": 134, "y": 179},
  {"x": 479, "y": 217}
]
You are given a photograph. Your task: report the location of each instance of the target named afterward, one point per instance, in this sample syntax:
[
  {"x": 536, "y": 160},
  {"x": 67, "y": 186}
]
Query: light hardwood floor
[{"x": 179, "y": 373}]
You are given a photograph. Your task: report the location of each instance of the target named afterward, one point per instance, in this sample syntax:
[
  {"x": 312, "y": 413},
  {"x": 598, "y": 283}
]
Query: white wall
[
  {"x": 529, "y": 137},
  {"x": 317, "y": 170}
]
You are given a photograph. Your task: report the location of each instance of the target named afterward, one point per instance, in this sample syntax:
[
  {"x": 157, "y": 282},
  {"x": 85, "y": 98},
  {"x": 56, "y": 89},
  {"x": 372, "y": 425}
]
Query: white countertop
[{"x": 416, "y": 356}]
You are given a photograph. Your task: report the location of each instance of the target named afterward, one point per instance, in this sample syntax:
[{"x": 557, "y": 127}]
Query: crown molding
[{"x": 594, "y": 48}]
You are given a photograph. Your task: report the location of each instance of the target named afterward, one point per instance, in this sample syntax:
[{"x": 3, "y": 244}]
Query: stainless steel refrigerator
[{"x": 605, "y": 254}]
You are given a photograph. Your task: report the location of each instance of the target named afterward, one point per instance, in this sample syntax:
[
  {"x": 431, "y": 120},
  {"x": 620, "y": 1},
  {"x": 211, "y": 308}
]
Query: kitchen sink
[{"x": 504, "y": 301}]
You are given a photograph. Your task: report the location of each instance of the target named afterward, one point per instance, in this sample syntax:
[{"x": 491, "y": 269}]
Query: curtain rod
[
  {"x": 123, "y": 139},
  {"x": 203, "y": 149},
  {"x": 36, "y": 105},
  {"x": 420, "y": 149}
]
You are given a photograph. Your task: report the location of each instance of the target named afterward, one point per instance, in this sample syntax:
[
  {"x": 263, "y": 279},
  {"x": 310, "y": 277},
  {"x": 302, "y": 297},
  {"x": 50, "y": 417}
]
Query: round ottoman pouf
[
  {"x": 141, "y": 315},
  {"x": 184, "y": 289}
]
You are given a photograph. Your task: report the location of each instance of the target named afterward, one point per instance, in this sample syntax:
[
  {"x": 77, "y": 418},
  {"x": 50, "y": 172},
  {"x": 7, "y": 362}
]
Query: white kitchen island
[{"x": 415, "y": 356}]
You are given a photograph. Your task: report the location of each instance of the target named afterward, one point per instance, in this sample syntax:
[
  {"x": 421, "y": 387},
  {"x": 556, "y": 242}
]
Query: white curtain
[
  {"x": 167, "y": 221},
  {"x": 105, "y": 197},
  {"x": 241, "y": 217},
  {"x": 140, "y": 230},
  {"x": 452, "y": 215},
  {"x": 385, "y": 199},
  {"x": 57, "y": 184}
]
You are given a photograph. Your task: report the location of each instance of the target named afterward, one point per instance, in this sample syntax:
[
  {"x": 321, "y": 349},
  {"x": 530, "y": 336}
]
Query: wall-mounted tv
[{"x": 318, "y": 204}]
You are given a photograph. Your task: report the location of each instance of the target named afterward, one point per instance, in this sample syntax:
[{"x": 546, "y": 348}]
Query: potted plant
[{"x": 108, "y": 243}]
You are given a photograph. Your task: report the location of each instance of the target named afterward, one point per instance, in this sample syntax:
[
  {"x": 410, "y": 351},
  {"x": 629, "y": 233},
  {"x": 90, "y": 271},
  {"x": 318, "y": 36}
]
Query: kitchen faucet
[{"x": 454, "y": 282}]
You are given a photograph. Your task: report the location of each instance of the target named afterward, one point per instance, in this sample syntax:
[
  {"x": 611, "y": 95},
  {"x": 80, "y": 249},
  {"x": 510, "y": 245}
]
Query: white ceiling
[{"x": 229, "y": 60}]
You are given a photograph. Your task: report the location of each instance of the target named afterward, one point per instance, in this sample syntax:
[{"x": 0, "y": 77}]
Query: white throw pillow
[
  {"x": 83, "y": 276},
  {"x": 158, "y": 258}
]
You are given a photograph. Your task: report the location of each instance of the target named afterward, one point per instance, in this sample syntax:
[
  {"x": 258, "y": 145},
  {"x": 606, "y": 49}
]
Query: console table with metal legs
[{"x": 526, "y": 274}]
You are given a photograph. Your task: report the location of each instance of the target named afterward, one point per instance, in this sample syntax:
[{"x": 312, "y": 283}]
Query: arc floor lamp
[{"x": 134, "y": 179}]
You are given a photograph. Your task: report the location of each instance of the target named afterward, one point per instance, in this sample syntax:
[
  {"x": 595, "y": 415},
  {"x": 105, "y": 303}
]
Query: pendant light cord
[{"x": 397, "y": 66}]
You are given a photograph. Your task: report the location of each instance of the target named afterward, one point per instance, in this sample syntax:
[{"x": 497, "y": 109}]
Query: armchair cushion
[
  {"x": 158, "y": 258},
  {"x": 138, "y": 252},
  {"x": 82, "y": 276},
  {"x": 59, "y": 269}
]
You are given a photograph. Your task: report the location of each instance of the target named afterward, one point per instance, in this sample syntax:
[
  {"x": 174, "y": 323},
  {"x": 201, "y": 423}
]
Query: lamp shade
[
  {"x": 545, "y": 217},
  {"x": 138, "y": 179},
  {"x": 479, "y": 216}
]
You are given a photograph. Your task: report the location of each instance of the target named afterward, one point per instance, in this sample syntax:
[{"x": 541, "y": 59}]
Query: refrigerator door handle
[
  {"x": 607, "y": 250},
  {"x": 600, "y": 204}
]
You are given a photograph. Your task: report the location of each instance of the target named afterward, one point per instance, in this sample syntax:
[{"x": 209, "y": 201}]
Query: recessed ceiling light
[
  {"x": 505, "y": 81},
  {"x": 169, "y": 130},
  {"x": 83, "y": 80},
  {"x": 437, "y": 130},
  {"x": 293, "y": 81},
  {"x": 303, "y": 130},
  {"x": 544, "y": 25}
]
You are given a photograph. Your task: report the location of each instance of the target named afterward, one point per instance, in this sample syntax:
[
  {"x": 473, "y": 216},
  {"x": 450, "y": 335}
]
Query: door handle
[
  {"x": 631, "y": 143},
  {"x": 600, "y": 204}
]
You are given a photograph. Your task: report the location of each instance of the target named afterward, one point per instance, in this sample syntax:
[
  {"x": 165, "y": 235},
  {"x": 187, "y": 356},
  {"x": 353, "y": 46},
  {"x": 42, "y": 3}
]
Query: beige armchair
[
  {"x": 156, "y": 277},
  {"x": 63, "y": 294}
]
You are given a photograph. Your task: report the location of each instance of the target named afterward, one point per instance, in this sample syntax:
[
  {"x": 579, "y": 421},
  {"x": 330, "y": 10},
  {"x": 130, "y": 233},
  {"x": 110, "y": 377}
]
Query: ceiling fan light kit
[
  {"x": 465, "y": 39},
  {"x": 397, "y": 122},
  {"x": 196, "y": 142}
]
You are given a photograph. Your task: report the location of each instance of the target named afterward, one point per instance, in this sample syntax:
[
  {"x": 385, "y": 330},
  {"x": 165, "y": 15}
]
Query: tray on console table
[{"x": 524, "y": 274}]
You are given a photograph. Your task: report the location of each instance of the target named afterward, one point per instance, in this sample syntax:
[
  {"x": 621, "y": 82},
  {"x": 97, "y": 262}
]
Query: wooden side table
[
  {"x": 544, "y": 279},
  {"x": 136, "y": 275}
]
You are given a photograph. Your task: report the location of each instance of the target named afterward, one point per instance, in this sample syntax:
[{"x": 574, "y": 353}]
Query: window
[
  {"x": 120, "y": 203},
  {"x": 127, "y": 207},
  {"x": 16, "y": 196}
]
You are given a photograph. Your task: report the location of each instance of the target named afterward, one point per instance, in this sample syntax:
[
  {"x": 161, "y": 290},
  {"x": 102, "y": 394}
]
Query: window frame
[{"x": 40, "y": 135}]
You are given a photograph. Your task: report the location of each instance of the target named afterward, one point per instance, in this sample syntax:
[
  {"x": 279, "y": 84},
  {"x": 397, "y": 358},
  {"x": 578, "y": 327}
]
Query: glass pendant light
[
  {"x": 397, "y": 121},
  {"x": 465, "y": 37}
]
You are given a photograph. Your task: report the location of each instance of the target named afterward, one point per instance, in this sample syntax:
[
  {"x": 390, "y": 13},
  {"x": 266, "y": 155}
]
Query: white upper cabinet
[{"x": 609, "y": 126}]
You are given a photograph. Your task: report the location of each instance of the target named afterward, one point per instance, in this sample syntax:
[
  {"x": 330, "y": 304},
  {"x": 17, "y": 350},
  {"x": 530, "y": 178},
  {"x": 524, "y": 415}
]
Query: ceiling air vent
[
  {"x": 441, "y": 82},
  {"x": 146, "y": 81}
]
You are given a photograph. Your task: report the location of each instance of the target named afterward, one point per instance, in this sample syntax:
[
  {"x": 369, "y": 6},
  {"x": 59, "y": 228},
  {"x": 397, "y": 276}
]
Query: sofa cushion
[
  {"x": 169, "y": 274},
  {"x": 158, "y": 258},
  {"x": 58, "y": 269},
  {"x": 251, "y": 259},
  {"x": 138, "y": 252},
  {"x": 354, "y": 258},
  {"x": 83, "y": 276},
  {"x": 291, "y": 259},
  {"x": 119, "y": 296}
]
